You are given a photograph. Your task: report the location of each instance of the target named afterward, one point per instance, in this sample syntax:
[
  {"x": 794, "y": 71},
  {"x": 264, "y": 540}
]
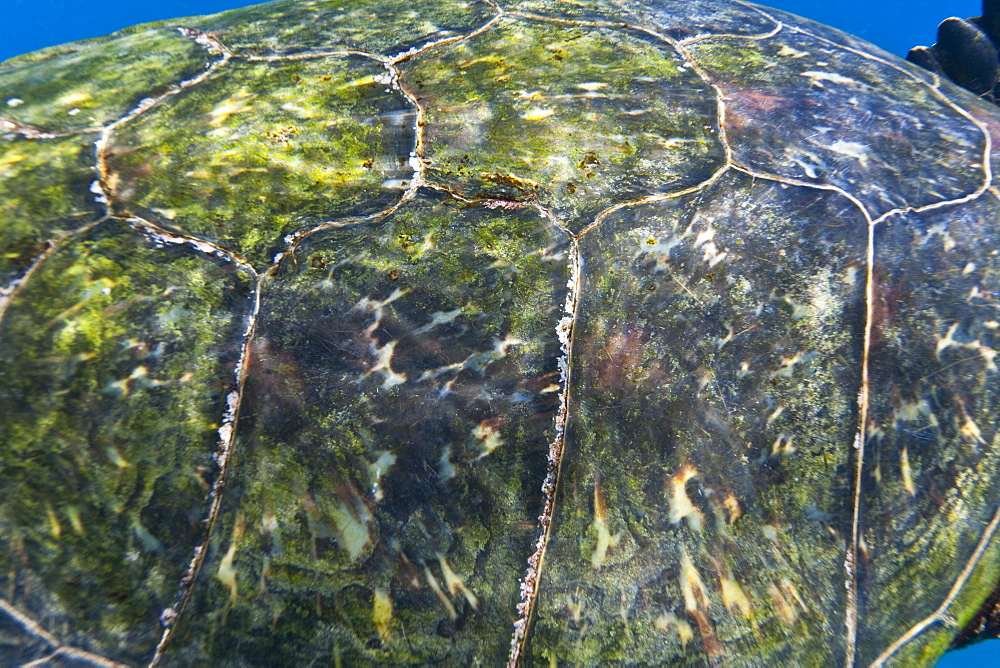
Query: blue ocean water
[
  {"x": 26, "y": 25},
  {"x": 895, "y": 25}
]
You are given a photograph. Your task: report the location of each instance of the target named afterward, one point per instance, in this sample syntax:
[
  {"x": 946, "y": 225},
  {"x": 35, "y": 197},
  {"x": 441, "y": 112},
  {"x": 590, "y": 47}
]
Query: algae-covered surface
[{"x": 469, "y": 333}]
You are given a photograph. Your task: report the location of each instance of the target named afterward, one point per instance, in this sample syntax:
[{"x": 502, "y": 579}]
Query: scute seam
[
  {"x": 10, "y": 291},
  {"x": 564, "y": 330},
  {"x": 58, "y": 649},
  {"x": 222, "y": 456},
  {"x": 940, "y": 615},
  {"x": 100, "y": 187}
]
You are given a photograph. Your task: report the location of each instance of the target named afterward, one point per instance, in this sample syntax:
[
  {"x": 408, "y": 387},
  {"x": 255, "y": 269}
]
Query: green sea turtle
[{"x": 548, "y": 332}]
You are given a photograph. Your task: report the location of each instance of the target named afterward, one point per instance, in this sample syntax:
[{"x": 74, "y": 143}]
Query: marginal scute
[
  {"x": 58, "y": 202},
  {"x": 266, "y": 149},
  {"x": 114, "y": 366},
  {"x": 804, "y": 109},
  {"x": 380, "y": 26},
  {"x": 91, "y": 83},
  {"x": 933, "y": 349}
]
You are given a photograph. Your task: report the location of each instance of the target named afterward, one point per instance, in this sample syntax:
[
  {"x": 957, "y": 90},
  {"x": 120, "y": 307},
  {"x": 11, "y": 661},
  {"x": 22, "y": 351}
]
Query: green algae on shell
[{"x": 472, "y": 332}]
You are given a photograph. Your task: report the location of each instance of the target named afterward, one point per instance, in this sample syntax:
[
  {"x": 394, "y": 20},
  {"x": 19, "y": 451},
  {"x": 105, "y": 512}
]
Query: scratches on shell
[
  {"x": 906, "y": 471},
  {"x": 441, "y": 596},
  {"x": 605, "y": 540},
  {"x": 680, "y": 503},
  {"x": 696, "y": 603},
  {"x": 382, "y": 613},
  {"x": 455, "y": 584},
  {"x": 667, "y": 620}
]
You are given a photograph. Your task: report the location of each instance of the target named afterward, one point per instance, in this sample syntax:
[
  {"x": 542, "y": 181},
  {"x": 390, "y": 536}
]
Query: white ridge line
[
  {"x": 940, "y": 615},
  {"x": 658, "y": 197},
  {"x": 206, "y": 40},
  {"x": 31, "y": 132},
  {"x": 529, "y": 586},
  {"x": 164, "y": 236},
  {"x": 308, "y": 55},
  {"x": 756, "y": 37},
  {"x": 35, "y": 629},
  {"x": 851, "y": 558},
  {"x": 919, "y": 80},
  {"x": 224, "y": 451},
  {"x": 416, "y": 161},
  {"x": 8, "y": 293},
  {"x": 405, "y": 55}
]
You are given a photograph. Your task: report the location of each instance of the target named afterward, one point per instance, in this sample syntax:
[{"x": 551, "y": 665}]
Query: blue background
[
  {"x": 26, "y": 25},
  {"x": 895, "y": 25}
]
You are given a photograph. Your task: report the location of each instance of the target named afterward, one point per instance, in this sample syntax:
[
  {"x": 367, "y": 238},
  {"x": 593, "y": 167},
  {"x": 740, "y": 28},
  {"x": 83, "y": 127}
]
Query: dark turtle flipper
[
  {"x": 990, "y": 20},
  {"x": 968, "y": 55},
  {"x": 926, "y": 58}
]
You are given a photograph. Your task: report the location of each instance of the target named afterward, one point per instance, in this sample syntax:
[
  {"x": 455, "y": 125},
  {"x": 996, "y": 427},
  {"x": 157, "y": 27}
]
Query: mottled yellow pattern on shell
[{"x": 452, "y": 332}]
